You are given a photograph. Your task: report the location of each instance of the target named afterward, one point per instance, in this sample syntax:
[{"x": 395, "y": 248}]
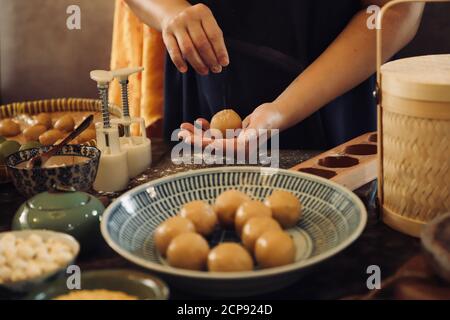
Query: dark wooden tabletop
[{"x": 341, "y": 276}]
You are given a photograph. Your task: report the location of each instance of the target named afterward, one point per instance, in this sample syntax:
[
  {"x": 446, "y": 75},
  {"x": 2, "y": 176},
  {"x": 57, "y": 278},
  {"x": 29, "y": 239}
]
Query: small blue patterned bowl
[
  {"x": 333, "y": 218},
  {"x": 79, "y": 176}
]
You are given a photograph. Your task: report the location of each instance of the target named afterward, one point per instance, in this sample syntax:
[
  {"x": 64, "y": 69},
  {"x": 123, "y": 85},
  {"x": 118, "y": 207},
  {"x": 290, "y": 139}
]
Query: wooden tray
[
  {"x": 352, "y": 164},
  {"x": 22, "y": 112}
]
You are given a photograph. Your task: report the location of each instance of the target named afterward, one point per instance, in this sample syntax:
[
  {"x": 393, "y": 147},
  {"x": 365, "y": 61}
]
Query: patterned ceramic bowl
[
  {"x": 333, "y": 218},
  {"x": 79, "y": 176}
]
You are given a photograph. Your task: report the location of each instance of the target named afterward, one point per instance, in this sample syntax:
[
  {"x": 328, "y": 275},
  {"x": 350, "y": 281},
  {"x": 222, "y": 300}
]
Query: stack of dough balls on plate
[{"x": 259, "y": 225}]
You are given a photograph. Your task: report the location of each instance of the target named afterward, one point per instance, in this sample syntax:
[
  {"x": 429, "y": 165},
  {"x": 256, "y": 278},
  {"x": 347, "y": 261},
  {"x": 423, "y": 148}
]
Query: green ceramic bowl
[
  {"x": 138, "y": 284},
  {"x": 75, "y": 213}
]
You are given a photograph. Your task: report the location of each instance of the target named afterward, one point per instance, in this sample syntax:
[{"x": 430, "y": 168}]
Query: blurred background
[{"x": 40, "y": 58}]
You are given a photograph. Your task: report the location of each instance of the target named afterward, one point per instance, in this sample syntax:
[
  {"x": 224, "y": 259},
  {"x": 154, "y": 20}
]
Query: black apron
[{"x": 270, "y": 42}]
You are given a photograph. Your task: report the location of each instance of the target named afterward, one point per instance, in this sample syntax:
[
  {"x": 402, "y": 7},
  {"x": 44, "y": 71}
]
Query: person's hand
[
  {"x": 199, "y": 134},
  {"x": 267, "y": 116},
  {"x": 192, "y": 34}
]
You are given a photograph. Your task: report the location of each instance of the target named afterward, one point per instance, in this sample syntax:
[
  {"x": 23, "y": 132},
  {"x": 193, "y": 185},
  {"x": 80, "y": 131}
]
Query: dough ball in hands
[
  {"x": 248, "y": 210},
  {"x": 286, "y": 208},
  {"x": 229, "y": 257},
  {"x": 170, "y": 229},
  {"x": 254, "y": 228},
  {"x": 202, "y": 216},
  {"x": 226, "y": 119},
  {"x": 274, "y": 248},
  {"x": 188, "y": 251},
  {"x": 227, "y": 204}
]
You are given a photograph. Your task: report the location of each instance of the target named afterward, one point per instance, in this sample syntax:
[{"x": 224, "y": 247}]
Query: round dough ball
[
  {"x": 229, "y": 257},
  {"x": 248, "y": 210},
  {"x": 254, "y": 228},
  {"x": 65, "y": 123},
  {"x": 9, "y": 128},
  {"x": 274, "y": 248},
  {"x": 227, "y": 204},
  {"x": 33, "y": 133},
  {"x": 286, "y": 208},
  {"x": 188, "y": 251},
  {"x": 168, "y": 230},
  {"x": 202, "y": 215},
  {"x": 226, "y": 119},
  {"x": 87, "y": 135},
  {"x": 44, "y": 119},
  {"x": 51, "y": 137}
]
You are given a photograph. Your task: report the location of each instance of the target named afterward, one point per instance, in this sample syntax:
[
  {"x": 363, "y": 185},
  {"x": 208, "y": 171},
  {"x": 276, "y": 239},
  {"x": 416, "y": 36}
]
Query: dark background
[{"x": 40, "y": 58}]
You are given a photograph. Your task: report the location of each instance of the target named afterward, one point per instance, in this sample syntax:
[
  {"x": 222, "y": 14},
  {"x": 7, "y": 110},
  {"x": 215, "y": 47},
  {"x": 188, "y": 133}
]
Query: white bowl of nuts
[{"x": 28, "y": 258}]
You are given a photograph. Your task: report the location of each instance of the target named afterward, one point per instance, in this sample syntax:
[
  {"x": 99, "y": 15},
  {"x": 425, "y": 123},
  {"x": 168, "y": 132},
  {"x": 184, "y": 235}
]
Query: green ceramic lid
[{"x": 58, "y": 201}]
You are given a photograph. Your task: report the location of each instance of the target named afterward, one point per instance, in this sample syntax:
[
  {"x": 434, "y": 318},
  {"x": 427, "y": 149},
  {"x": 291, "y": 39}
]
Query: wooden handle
[{"x": 383, "y": 11}]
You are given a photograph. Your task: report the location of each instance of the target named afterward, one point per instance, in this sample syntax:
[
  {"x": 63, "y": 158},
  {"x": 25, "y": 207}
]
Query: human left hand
[{"x": 196, "y": 134}]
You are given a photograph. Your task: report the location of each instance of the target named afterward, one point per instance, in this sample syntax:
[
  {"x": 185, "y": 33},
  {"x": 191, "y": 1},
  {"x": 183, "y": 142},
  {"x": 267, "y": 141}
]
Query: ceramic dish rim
[
  {"x": 89, "y": 160},
  {"x": 59, "y": 235},
  {"x": 139, "y": 276},
  {"x": 293, "y": 267}
]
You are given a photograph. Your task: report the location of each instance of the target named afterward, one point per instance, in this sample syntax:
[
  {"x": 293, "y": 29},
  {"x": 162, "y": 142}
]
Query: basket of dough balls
[
  {"x": 26, "y": 125},
  {"x": 233, "y": 231}
]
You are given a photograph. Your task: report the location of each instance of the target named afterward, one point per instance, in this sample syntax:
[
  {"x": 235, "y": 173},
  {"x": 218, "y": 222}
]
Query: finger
[
  {"x": 203, "y": 123},
  {"x": 187, "y": 126},
  {"x": 246, "y": 122},
  {"x": 175, "y": 53},
  {"x": 190, "y": 52},
  {"x": 186, "y": 136},
  {"x": 194, "y": 128},
  {"x": 192, "y": 139},
  {"x": 204, "y": 47},
  {"x": 215, "y": 36}
]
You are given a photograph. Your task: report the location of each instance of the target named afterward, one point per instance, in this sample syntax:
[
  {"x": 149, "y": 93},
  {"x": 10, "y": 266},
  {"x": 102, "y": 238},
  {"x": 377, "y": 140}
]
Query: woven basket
[
  {"x": 50, "y": 106},
  {"x": 414, "y": 146}
]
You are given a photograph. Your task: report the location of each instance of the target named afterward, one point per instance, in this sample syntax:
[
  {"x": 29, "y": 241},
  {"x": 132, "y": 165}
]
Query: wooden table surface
[{"x": 338, "y": 277}]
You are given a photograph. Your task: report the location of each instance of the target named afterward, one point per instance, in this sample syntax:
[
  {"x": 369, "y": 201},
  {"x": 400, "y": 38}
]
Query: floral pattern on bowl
[{"x": 79, "y": 176}]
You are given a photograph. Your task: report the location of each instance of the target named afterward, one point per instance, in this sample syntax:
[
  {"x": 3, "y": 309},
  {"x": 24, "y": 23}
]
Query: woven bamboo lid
[
  {"x": 425, "y": 78},
  {"x": 417, "y": 87}
]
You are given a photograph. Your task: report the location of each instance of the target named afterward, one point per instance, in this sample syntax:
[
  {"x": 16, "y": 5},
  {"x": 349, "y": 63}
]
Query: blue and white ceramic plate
[{"x": 333, "y": 218}]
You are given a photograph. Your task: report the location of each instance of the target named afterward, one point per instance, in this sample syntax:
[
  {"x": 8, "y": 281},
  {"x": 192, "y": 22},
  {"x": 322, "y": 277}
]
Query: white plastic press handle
[
  {"x": 123, "y": 74},
  {"x": 102, "y": 77}
]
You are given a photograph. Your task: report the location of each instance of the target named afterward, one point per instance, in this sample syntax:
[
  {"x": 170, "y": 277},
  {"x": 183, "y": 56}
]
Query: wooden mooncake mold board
[{"x": 352, "y": 164}]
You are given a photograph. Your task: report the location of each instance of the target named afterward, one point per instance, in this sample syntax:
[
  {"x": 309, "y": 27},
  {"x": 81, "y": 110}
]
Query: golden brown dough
[
  {"x": 226, "y": 119},
  {"x": 227, "y": 204},
  {"x": 50, "y": 137},
  {"x": 229, "y": 257},
  {"x": 44, "y": 119},
  {"x": 188, "y": 251},
  {"x": 249, "y": 210},
  {"x": 65, "y": 123},
  {"x": 254, "y": 228},
  {"x": 286, "y": 208},
  {"x": 274, "y": 249},
  {"x": 170, "y": 229},
  {"x": 9, "y": 128},
  {"x": 87, "y": 135},
  {"x": 202, "y": 215},
  {"x": 33, "y": 133}
]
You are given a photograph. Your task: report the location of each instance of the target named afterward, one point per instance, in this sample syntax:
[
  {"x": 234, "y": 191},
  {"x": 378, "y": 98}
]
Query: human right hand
[{"x": 191, "y": 35}]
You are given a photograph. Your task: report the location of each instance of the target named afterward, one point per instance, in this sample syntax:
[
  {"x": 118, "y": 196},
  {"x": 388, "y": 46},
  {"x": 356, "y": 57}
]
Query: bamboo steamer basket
[
  {"x": 414, "y": 134},
  {"x": 50, "y": 106}
]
